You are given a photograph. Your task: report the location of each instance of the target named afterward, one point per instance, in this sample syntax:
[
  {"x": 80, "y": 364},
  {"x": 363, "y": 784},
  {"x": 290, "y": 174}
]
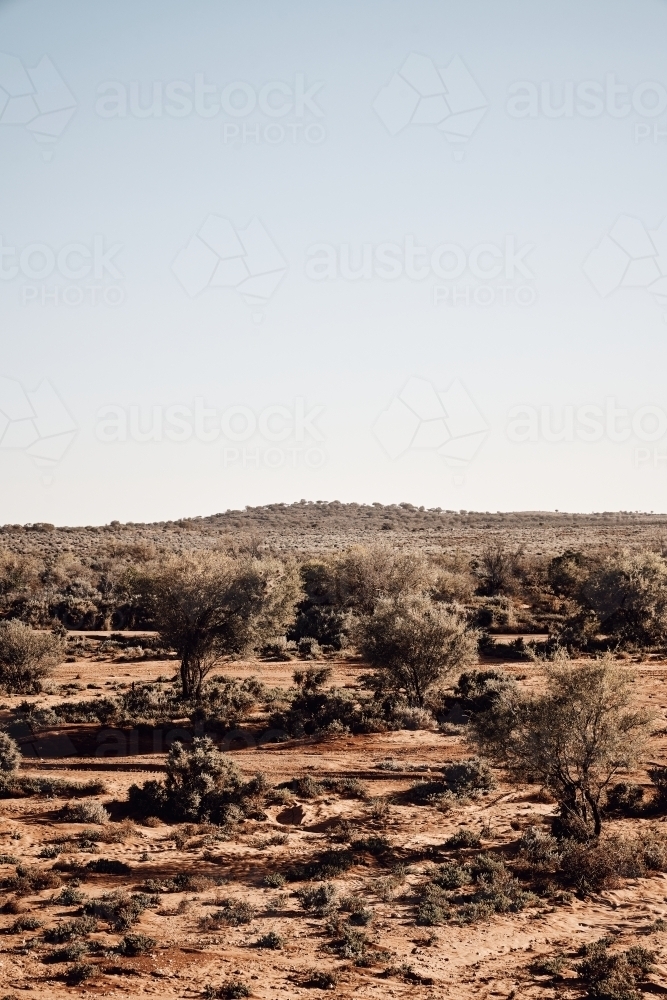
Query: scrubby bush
[
  {"x": 201, "y": 784},
  {"x": 323, "y": 624},
  {"x": 468, "y": 776},
  {"x": 25, "y": 923},
  {"x": 274, "y": 880},
  {"x": 136, "y": 944},
  {"x": 603, "y": 863},
  {"x": 10, "y": 755},
  {"x": 462, "y": 838},
  {"x": 26, "y": 656},
  {"x": 614, "y": 976},
  {"x": 80, "y": 972},
  {"x": 317, "y": 898},
  {"x": 573, "y": 738},
  {"x": 68, "y": 930},
  {"x": 625, "y": 798},
  {"x": 479, "y": 690},
  {"x": 471, "y": 892},
  {"x": 658, "y": 776},
  {"x": 232, "y": 989},
  {"x": 83, "y": 812},
  {"x": 414, "y": 644},
  {"x": 108, "y": 866},
  {"x": 71, "y": 952},
  {"x": 326, "y": 865},
  {"x": 272, "y": 940},
  {"x": 539, "y": 849},
  {"x": 119, "y": 909},
  {"x": 29, "y": 880},
  {"x": 21, "y": 786}
]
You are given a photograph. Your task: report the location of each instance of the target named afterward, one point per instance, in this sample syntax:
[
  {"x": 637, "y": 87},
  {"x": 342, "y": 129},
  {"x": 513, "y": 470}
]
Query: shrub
[
  {"x": 319, "y": 899},
  {"x": 83, "y": 812},
  {"x": 624, "y": 798},
  {"x": 25, "y": 923},
  {"x": 66, "y": 930},
  {"x": 26, "y": 656},
  {"x": 10, "y": 755},
  {"x": 324, "y": 866},
  {"x": 627, "y": 592},
  {"x": 232, "y": 989},
  {"x": 72, "y": 952},
  {"x": 360, "y": 914},
  {"x": 234, "y": 912},
  {"x": 462, "y": 838},
  {"x": 326, "y": 625},
  {"x": 108, "y": 866},
  {"x": 202, "y": 784},
  {"x": 271, "y": 940},
  {"x": 450, "y": 876},
  {"x": 658, "y": 776},
  {"x": 540, "y": 849},
  {"x": 80, "y": 972},
  {"x": 479, "y": 690},
  {"x": 274, "y": 880},
  {"x": 371, "y": 845},
  {"x": 467, "y": 776},
  {"x": 70, "y": 896},
  {"x": 136, "y": 944},
  {"x": 119, "y": 909},
  {"x": 614, "y": 976},
  {"x": 321, "y": 979},
  {"x": 29, "y": 880},
  {"x": 348, "y": 941},
  {"x": 603, "y": 863},
  {"x": 22, "y": 786}
]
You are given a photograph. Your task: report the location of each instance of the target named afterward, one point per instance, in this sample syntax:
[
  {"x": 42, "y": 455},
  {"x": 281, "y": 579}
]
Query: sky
[{"x": 260, "y": 252}]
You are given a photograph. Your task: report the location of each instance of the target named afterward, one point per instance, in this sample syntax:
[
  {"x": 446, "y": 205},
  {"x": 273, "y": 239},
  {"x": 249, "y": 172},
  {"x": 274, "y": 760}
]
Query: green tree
[
  {"x": 574, "y": 738},
  {"x": 27, "y": 655},
  {"x": 210, "y": 607},
  {"x": 415, "y": 643}
]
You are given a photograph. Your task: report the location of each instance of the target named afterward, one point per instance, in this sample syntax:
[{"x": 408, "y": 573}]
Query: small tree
[
  {"x": 209, "y": 607},
  {"x": 27, "y": 655},
  {"x": 415, "y": 643},
  {"x": 10, "y": 755},
  {"x": 574, "y": 738},
  {"x": 628, "y": 594}
]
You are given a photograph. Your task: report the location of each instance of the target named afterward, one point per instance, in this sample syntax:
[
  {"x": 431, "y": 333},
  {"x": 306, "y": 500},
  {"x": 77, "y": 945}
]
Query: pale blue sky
[{"x": 330, "y": 173}]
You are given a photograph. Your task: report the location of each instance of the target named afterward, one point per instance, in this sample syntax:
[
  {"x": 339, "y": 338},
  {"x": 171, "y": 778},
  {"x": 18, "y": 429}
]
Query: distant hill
[{"x": 326, "y": 526}]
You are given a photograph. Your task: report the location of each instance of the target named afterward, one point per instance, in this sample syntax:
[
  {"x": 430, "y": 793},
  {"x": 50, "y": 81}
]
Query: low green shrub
[
  {"x": 136, "y": 944},
  {"x": 271, "y": 940}
]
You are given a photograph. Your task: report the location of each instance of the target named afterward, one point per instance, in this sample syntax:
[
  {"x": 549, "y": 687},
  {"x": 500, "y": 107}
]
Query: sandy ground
[{"x": 489, "y": 959}]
